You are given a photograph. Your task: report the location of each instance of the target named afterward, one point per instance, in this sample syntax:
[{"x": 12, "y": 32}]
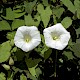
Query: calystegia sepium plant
[{"x": 39, "y": 40}]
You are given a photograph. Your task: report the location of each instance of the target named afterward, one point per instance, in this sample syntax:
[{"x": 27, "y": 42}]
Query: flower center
[
  {"x": 55, "y": 38},
  {"x": 27, "y": 38}
]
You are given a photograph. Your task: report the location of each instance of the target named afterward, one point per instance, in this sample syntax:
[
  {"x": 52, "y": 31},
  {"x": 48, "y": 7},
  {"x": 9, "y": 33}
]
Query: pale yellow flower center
[
  {"x": 55, "y": 38},
  {"x": 27, "y": 38}
]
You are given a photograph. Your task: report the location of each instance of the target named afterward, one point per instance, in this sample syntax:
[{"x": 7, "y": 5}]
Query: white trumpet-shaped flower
[
  {"x": 56, "y": 36},
  {"x": 27, "y": 38}
]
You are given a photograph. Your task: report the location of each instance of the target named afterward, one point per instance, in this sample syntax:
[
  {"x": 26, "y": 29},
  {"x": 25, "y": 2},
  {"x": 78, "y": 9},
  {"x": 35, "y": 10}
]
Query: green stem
[{"x": 55, "y": 72}]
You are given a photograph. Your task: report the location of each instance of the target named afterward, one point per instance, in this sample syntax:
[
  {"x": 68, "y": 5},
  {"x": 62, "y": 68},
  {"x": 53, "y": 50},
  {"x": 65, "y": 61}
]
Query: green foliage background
[{"x": 39, "y": 64}]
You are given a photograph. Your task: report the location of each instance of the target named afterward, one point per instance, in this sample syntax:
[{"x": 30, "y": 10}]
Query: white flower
[
  {"x": 27, "y": 38},
  {"x": 56, "y": 36}
]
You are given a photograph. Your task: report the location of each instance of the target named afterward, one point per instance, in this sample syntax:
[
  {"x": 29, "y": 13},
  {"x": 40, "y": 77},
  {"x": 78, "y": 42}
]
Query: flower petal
[
  {"x": 19, "y": 43},
  {"x": 30, "y": 46}
]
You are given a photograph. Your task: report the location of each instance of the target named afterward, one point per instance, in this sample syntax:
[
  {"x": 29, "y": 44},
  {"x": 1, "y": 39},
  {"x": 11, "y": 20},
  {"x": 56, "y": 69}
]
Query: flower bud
[
  {"x": 7, "y": 67},
  {"x": 11, "y": 62}
]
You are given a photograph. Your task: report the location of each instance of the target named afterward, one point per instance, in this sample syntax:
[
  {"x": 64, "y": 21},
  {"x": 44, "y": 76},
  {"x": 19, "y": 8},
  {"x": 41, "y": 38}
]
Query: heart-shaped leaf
[{"x": 44, "y": 13}]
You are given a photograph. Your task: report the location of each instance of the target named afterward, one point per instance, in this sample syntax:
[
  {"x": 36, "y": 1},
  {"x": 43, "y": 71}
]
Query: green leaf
[
  {"x": 77, "y": 4},
  {"x": 10, "y": 35},
  {"x": 32, "y": 62},
  {"x": 45, "y": 14},
  {"x": 78, "y": 40},
  {"x": 5, "y": 51},
  {"x": 66, "y": 22},
  {"x": 17, "y": 23},
  {"x": 31, "y": 77},
  {"x": 33, "y": 71},
  {"x": 10, "y": 75},
  {"x": 69, "y": 5},
  {"x": 47, "y": 54},
  {"x": 54, "y": 0},
  {"x": 76, "y": 49},
  {"x": 9, "y": 14},
  {"x": 29, "y": 21},
  {"x": 23, "y": 77},
  {"x": 29, "y": 6},
  {"x": 2, "y": 76},
  {"x": 58, "y": 11},
  {"x": 78, "y": 13},
  {"x": 40, "y": 8},
  {"x": 1, "y": 11},
  {"x": 14, "y": 49},
  {"x": 17, "y": 10},
  {"x": 68, "y": 54},
  {"x": 45, "y": 48},
  {"x": 41, "y": 49},
  {"x": 78, "y": 31},
  {"x": 38, "y": 72},
  {"x": 18, "y": 7},
  {"x": 45, "y": 2},
  {"x": 70, "y": 43},
  {"x": 17, "y": 15},
  {"x": 12, "y": 42},
  {"x": 4, "y": 25}
]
